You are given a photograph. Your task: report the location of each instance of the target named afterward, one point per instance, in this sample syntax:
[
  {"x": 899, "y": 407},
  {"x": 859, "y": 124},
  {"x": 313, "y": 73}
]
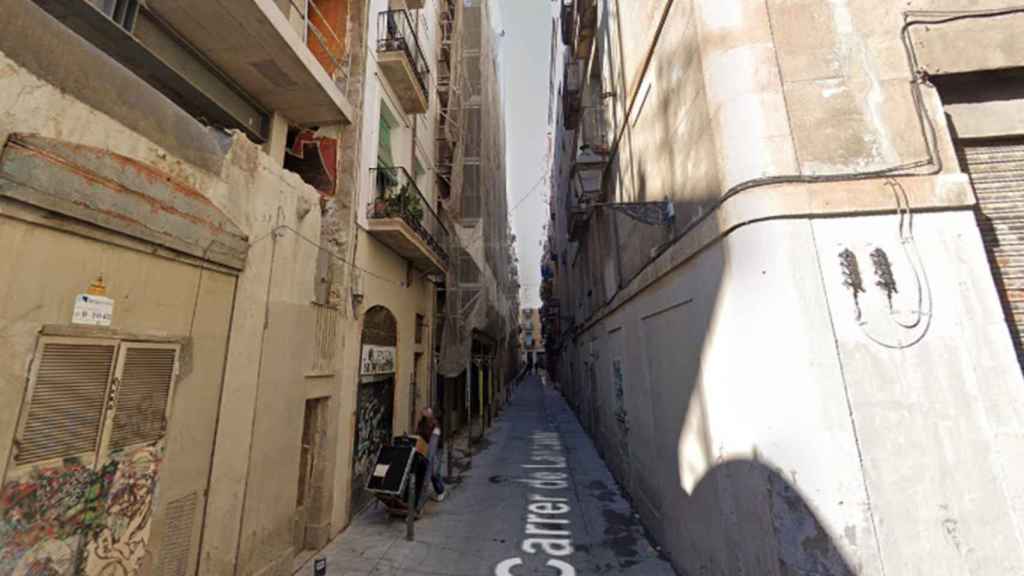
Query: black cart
[{"x": 398, "y": 469}]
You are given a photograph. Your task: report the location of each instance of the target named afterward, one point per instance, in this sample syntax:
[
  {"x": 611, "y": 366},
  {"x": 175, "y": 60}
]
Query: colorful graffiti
[
  {"x": 118, "y": 545},
  {"x": 72, "y": 518}
]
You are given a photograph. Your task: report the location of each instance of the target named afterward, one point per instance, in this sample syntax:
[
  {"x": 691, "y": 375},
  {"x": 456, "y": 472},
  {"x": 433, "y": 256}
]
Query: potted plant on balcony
[
  {"x": 405, "y": 203},
  {"x": 382, "y": 203},
  {"x": 413, "y": 205}
]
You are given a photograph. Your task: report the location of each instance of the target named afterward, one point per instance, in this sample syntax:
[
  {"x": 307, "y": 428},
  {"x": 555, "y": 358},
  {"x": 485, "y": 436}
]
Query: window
[
  {"x": 88, "y": 398},
  {"x": 122, "y": 12},
  {"x": 385, "y": 144},
  {"x": 421, "y": 323}
]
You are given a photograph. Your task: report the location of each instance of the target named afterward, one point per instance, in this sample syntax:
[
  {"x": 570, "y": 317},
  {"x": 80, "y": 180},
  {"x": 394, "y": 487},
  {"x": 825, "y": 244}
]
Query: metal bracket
[{"x": 652, "y": 213}]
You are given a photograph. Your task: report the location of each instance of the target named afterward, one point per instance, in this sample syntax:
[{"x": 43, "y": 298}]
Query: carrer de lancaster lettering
[{"x": 548, "y": 528}]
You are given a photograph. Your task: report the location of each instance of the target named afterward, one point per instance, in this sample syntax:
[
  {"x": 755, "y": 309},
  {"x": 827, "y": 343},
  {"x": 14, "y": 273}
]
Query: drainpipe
[
  {"x": 480, "y": 390},
  {"x": 469, "y": 405},
  {"x": 490, "y": 394}
]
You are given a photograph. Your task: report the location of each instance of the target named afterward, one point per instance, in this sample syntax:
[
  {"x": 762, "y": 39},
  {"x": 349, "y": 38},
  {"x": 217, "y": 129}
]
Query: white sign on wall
[
  {"x": 93, "y": 310},
  {"x": 377, "y": 360}
]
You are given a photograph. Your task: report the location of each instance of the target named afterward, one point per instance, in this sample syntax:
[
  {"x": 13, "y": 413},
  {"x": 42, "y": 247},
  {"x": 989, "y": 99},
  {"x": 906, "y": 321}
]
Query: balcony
[
  {"x": 254, "y": 43},
  {"x": 571, "y": 94},
  {"x": 402, "y": 61},
  {"x": 400, "y": 217},
  {"x": 568, "y": 20},
  {"x": 588, "y": 174},
  {"x": 595, "y": 132},
  {"x": 319, "y": 20},
  {"x": 585, "y": 26}
]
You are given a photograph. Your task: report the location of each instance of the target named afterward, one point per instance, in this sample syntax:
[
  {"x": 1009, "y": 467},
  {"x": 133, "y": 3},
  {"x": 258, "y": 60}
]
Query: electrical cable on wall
[
  {"x": 933, "y": 162},
  {"x": 922, "y": 314},
  {"x": 280, "y": 227}
]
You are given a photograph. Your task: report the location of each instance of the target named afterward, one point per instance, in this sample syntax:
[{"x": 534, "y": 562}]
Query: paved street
[{"x": 537, "y": 499}]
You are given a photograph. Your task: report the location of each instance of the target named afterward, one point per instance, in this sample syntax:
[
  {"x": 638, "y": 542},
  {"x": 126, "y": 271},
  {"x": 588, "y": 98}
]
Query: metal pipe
[
  {"x": 480, "y": 391},
  {"x": 469, "y": 406},
  {"x": 410, "y": 503}
]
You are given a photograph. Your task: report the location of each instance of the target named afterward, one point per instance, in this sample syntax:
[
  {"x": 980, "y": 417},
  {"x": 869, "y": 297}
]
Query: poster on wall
[{"x": 377, "y": 360}]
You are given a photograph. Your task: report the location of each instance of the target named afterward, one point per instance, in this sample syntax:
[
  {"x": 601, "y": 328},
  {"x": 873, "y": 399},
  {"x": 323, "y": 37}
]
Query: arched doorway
[{"x": 376, "y": 397}]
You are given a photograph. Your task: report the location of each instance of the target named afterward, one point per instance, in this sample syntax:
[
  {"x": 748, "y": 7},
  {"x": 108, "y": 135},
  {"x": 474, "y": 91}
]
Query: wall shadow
[{"x": 634, "y": 377}]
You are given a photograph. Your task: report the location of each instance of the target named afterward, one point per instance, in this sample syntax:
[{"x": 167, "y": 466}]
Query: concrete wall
[{"x": 808, "y": 432}]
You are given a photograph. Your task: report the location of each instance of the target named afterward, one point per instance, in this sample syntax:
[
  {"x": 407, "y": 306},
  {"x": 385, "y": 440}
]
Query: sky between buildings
[{"x": 524, "y": 28}]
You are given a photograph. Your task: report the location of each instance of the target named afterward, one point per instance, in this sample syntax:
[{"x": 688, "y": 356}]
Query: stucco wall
[
  {"x": 258, "y": 196},
  {"x": 45, "y": 270},
  {"x": 387, "y": 286},
  {"x": 271, "y": 352},
  {"x": 380, "y": 275}
]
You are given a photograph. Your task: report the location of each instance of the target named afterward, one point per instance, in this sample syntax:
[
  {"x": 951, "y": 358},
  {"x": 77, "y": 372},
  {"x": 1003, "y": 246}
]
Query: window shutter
[
  {"x": 384, "y": 156},
  {"x": 68, "y": 392},
  {"x": 145, "y": 374}
]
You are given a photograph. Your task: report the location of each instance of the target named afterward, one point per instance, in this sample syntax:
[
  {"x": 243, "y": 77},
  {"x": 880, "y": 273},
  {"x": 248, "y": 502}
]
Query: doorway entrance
[
  {"x": 375, "y": 400},
  {"x": 309, "y": 500}
]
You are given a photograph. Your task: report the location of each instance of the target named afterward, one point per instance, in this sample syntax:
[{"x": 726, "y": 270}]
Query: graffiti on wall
[
  {"x": 373, "y": 431},
  {"x": 118, "y": 545},
  {"x": 620, "y": 397},
  {"x": 72, "y": 518}
]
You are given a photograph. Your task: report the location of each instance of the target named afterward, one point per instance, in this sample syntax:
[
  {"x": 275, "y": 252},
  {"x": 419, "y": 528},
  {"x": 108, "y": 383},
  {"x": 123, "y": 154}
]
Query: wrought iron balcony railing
[
  {"x": 396, "y": 32},
  {"x": 595, "y": 129},
  {"x": 322, "y": 40},
  {"x": 397, "y": 196}
]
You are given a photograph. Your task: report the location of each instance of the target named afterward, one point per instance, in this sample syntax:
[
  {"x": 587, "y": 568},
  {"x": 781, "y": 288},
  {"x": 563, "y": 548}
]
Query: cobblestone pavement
[{"x": 535, "y": 499}]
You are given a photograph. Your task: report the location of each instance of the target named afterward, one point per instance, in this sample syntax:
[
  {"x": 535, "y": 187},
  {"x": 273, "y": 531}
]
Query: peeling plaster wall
[{"x": 257, "y": 433}]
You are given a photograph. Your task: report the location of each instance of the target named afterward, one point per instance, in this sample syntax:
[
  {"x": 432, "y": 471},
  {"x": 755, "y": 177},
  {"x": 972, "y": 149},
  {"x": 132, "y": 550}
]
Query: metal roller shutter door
[{"x": 996, "y": 168}]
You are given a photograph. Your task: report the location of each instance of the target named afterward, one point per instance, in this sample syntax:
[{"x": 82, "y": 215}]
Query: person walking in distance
[{"x": 429, "y": 429}]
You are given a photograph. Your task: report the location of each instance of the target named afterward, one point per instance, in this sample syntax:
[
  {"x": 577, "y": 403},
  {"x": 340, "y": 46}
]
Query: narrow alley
[
  {"x": 485, "y": 525},
  {"x": 263, "y": 258}
]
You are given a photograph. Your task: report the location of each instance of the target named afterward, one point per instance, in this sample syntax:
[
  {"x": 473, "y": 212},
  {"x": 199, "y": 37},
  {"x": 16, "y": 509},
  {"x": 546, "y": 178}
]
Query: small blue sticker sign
[{"x": 320, "y": 567}]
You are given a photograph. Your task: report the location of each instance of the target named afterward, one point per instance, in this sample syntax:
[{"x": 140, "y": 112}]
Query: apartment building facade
[
  {"x": 785, "y": 243},
  {"x": 477, "y": 353},
  {"x": 531, "y": 339}
]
